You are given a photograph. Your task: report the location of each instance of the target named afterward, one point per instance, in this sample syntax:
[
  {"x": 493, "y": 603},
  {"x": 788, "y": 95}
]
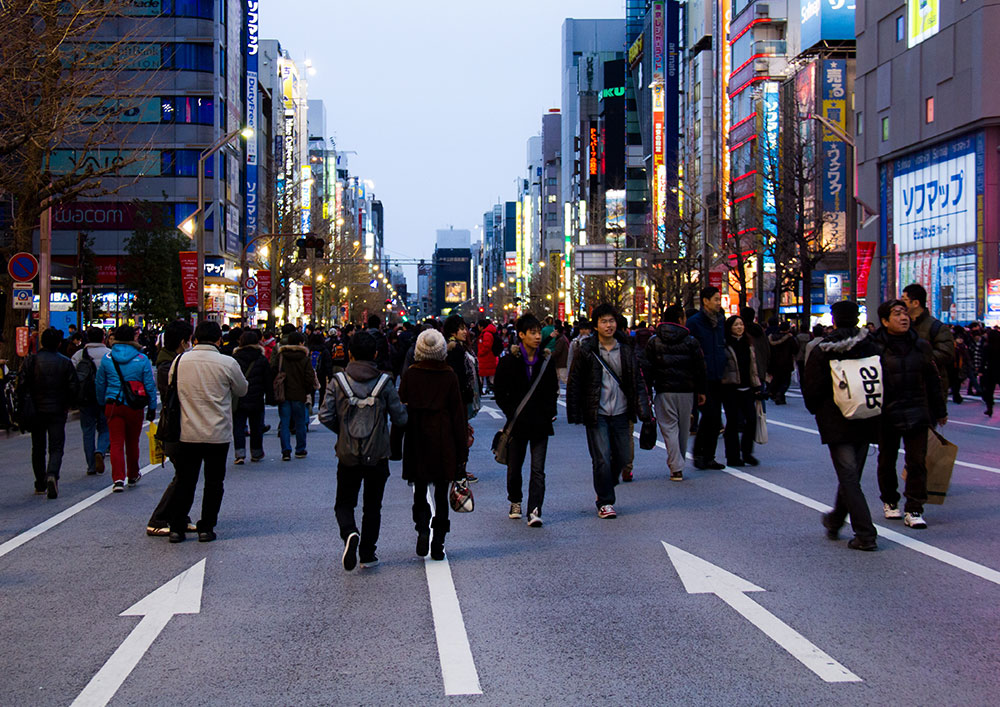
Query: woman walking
[
  {"x": 250, "y": 408},
  {"x": 740, "y": 383}
]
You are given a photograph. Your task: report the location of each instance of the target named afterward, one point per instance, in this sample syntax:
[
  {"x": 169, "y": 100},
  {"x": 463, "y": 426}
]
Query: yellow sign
[{"x": 923, "y": 21}]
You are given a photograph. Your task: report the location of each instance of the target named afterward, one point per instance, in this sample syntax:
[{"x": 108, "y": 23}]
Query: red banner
[
  {"x": 307, "y": 300},
  {"x": 263, "y": 290},
  {"x": 715, "y": 279},
  {"x": 189, "y": 277},
  {"x": 22, "y": 342},
  {"x": 866, "y": 251},
  {"x": 562, "y": 311},
  {"x": 640, "y": 301}
]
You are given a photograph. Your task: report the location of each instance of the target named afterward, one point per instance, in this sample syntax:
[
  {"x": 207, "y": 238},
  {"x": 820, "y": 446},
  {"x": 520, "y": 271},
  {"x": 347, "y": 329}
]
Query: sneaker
[
  {"x": 267, "y": 428},
  {"x": 710, "y": 464},
  {"x": 52, "y": 487},
  {"x": 856, "y": 543},
  {"x": 257, "y": 459},
  {"x": 423, "y": 544},
  {"x": 735, "y": 462},
  {"x": 832, "y": 530},
  {"x": 470, "y": 477},
  {"x": 206, "y": 536},
  {"x": 606, "y": 511},
  {"x": 891, "y": 511},
  {"x": 535, "y": 518},
  {"x": 158, "y": 532},
  {"x": 176, "y": 537},
  {"x": 676, "y": 475},
  {"x": 350, "y": 558},
  {"x": 118, "y": 486},
  {"x": 627, "y": 476},
  {"x": 751, "y": 460},
  {"x": 133, "y": 482},
  {"x": 515, "y": 511},
  {"x": 915, "y": 520},
  {"x": 301, "y": 455},
  {"x": 39, "y": 491},
  {"x": 369, "y": 561},
  {"x": 286, "y": 456},
  {"x": 239, "y": 460},
  {"x": 98, "y": 463}
]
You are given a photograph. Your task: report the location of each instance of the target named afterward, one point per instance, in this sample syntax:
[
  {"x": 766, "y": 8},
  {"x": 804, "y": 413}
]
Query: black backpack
[
  {"x": 497, "y": 344},
  {"x": 86, "y": 373}
]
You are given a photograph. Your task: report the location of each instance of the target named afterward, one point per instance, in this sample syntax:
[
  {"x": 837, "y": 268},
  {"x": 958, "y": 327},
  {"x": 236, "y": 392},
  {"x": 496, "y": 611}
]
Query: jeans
[
  {"x": 915, "y": 458},
  {"x": 422, "y": 509},
  {"x": 610, "y": 445},
  {"x": 741, "y": 422},
  {"x": 188, "y": 461},
  {"x": 707, "y": 438},
  {"x": 297, "y": 413},
  {"x": 93, "y": 421},
  {"x": 242, "y": 416},
  {"x": 673, "y": 416},
  {"x": 515, "y": 460},
  {"x": 849, "y": 461},
  {"x": 349, "y": 479},
  {"x": 125, "y": 426},
  {"x": 50, "y": 427}
]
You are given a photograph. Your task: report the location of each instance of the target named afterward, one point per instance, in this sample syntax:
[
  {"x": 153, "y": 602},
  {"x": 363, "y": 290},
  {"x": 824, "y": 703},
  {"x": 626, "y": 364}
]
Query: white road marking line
[
  {"x": 458, "y": 669},
  {"x": 702, "y": 577},
  {"x": 314, "y": 421},
  {"x": 19, "y": 540},
  {"x": 181, "y": 595},
  {"x": 492, "y": 412},
  {"x": 972, "y": 424}
]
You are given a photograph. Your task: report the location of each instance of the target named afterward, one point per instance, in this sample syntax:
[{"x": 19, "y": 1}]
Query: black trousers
[
  {"x": 849, "y": 461},
  {"x": 741, "y": 422},
  {"x": 188, "y": 460},
  {"x": 707, "y": 438},
  {"x": 422, "y": 509},
  {"x": 987, "y": 385},
  {"x": 915, "y": 458},
  {"x": 349, "y": 480},
  {"x": 49, "y": 427},
  {"x": 536, "y": 482},
  {"x": 779, "y": 385}
]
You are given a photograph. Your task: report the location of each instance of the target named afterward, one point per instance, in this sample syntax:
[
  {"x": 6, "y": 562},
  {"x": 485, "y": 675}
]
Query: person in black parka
[{"x": 250, "y": 408}]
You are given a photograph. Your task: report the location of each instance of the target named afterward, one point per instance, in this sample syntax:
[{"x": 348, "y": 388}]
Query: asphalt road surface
[{"x": 722, "y": 589}]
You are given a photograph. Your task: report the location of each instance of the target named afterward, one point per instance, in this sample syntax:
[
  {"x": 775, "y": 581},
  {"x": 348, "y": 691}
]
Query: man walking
[
  {"x": 674, "y": 365},
  {"x": 515, "y": 375},
  {"x": 931, "y": 330},
  {"x": 782, "y": 361},
  {"x": 292, "y": 359},
  {"x": 708, "y": 327},
  {"x": 847, "y": 440},
  {"x": 207, "y": 382},
  {"x": 913, "y": 404},
  {"x": 92, "y": 419},
  {"x": 606, "y": 394}
]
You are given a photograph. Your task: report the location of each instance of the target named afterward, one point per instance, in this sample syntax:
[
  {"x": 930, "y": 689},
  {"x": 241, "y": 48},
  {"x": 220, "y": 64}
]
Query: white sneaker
[
  {"x": 891, "y": 511},
  {"x": 535, "y": 518},
  {"x": 515, "y": 511},
  {"x": 606, "y": 511},
  {"x": 914, "y": 520}
]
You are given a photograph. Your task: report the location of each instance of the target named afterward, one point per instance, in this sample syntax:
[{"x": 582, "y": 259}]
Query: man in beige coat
[{"x": 207, "y": 383}]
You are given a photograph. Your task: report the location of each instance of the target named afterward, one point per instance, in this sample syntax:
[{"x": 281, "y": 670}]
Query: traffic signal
[
  {"x": 319, "y": 245},
  {"x": 314, "y": 243},
  {"x": 303, "y": 245}
]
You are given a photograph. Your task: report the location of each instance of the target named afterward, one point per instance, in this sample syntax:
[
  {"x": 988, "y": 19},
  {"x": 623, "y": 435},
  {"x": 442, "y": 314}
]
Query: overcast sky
[{"x": 438, "y": 97}]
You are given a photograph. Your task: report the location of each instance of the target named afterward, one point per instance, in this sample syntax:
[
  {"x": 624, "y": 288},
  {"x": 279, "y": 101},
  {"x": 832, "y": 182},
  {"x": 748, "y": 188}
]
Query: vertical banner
[
  {"x": 307, "y": 300},
  {"x": 22, "y": 341},
  {"x": 250, "y": 58},
  {"x": 834, "y": 177},
  {"x": 189, "y": 277},
  {"x": 866, "y": 252},
  {"x": 562, "y": 311},
  {"x": 264, "y": 290}
]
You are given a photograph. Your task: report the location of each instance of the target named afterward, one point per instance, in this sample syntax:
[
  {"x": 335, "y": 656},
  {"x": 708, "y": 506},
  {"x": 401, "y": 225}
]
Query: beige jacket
[{"x": 207, "y": 384}]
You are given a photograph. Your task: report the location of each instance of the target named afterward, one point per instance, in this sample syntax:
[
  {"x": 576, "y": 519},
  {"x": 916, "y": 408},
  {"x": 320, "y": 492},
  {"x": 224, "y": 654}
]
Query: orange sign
[{"x": 21, "y": 345}]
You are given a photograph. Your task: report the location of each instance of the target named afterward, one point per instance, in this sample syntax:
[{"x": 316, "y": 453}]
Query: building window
[
  {"x": 900, "y": 28},
  {"x": 929, "y": 111},
  {"x": 859, "y": 127},
  {"x": 885, "y": 128}
]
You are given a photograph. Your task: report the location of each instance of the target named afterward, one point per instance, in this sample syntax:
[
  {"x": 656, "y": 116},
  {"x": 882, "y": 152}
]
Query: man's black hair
[
  {"x": 374, "y": 321},
  {"x": 526, "y": 322},
  {"x": 296, "y": 338},
  {"x": 287, "y": 329},
  {"x": 51, "y": 338},
  {"x": 673, "y": 313},
  {"x": 604, "y": 309},
  {"x": 885, "y": 309},
  {"x": 125, "y": 333},
  {"x": 250, "y": 337},
  {"x": 709, "y": 292},
  {"x": 917, "y": 293},
  {"x": 208, "y": 332},
  {"x": 363, "y": 346},
  {"x": 584, "y": 324},
  {"x": 175, "y": 333},
  {"x": 452, "y": 324},
  {"x": 95, "y": 335},
  {"x": 748, "y": 315},
  {"x": 845, "y": 314}
]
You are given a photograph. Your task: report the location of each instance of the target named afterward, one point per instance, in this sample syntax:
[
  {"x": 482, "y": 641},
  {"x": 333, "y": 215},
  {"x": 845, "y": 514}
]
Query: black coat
[
  {"x": 324, "y": 366},
  {"x": 257, "y": 371},
  {"x": 510, "y": 385},
  {"x": 435, "y": 444},
  {"x": 782, "y": 353},
  {"x": 817, "y": 387},
  {"x": 52, "y": 382},
  {"x": 913, "y": 395},
  {"x": 672, "y": 361},
  {"x": 583, "y": 390}
]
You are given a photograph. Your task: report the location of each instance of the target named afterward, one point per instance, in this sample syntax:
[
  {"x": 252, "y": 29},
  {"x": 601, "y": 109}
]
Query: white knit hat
[{"x": 430, "y": 346}]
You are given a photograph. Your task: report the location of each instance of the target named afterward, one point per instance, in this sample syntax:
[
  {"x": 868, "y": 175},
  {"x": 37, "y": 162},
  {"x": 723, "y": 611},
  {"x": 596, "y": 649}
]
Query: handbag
[
  {"x": 460, "y": 497},
  {"x": 501, "y": 440},
  {"x": 760, "y": 435},
  {"x": 168, "y": 431},
  {"x": 647, "y": 435},
  {"x": 279, "y": 381},
  {"x": 133, "y": 392},
  {"x": 857, "y": 386},
  {"x": 940, "y": 462}
]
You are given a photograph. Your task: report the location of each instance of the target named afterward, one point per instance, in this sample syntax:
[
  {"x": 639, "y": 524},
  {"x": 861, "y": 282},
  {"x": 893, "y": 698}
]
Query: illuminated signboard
[
  {"x": 612, "y": 93},
  {"x": 250, "y": 59},
  {"x": 635, "y": 51},
  {"x": 826, "y": 20},
  {"x": 923, "y": 21},
  {"x": 835, "y": 155},
  {"x": 615, "y": 209},
  {"x": 659, "y": 54},
  {"x": 593, "y": 151},
  {"x": 456, "y": 291},
  {"x": 726, "y": 16}
]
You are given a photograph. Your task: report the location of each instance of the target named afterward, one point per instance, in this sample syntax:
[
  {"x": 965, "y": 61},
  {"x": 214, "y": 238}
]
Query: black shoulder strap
[
  {"x": 531, "y": 390},
  {"x": 936, "y": 325},
  {"x": 597, "y": 355}
]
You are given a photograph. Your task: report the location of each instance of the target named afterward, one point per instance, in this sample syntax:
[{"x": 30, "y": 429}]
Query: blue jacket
[
  {"x": 713, "y": 343},
  {"x": 135, "y": 367}
]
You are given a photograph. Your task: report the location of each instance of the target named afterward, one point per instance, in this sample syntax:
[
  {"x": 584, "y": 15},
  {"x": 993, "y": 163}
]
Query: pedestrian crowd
[{"x": 410, "y": 392}]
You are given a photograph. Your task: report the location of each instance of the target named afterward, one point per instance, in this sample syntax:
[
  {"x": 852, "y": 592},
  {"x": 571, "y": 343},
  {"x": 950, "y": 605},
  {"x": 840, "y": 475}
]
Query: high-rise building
[{"x": 452, "y": 284}]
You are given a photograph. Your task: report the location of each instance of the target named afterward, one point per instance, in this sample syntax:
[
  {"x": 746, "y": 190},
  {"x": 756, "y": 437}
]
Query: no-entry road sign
[{"x": 22, "y": 267}]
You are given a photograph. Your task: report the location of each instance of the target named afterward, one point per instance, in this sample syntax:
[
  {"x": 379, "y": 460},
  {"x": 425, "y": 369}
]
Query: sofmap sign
[
  {"x": 250, "y": 58},
  {"x": 934, "y": 197},
  {"x": 826, "y": 20}
]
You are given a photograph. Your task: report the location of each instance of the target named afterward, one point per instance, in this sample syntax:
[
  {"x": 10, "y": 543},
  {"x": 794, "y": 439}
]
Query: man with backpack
[
  {"x": 359, "y": 403},
  {"x": 847, "y": 438},
  {"x": 92, "y": 419}
]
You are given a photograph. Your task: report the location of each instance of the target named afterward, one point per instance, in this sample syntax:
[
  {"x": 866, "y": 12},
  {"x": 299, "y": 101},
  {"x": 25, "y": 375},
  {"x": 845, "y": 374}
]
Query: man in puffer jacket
[
  {"x": 914, "y": 402},
  {"x": 674, "y": 365},
  {"x": 250, "y": 408},
  {"x": 292, "y": 359},
  {"x": 124, "y": 422}
]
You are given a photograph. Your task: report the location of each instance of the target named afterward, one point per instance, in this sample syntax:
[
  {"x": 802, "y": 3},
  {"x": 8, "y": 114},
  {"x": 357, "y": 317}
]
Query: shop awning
[{"x": 212, "y": 280}]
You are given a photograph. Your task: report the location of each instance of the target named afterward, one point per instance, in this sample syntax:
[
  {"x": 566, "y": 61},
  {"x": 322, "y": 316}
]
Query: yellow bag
[{"x": 155, "y": 445}]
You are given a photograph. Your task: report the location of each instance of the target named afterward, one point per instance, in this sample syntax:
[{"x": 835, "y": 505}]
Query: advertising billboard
[
  {"x": 659, "y": 48},
  {"x": 615, "y": 209},
  {"x": 250, "y": 58},
  {"x": 835, "y": 155},
  {"x": 923, "y": 20},
  {"x": 456, "y": 291},
  {"x": 825, "y": 20}
]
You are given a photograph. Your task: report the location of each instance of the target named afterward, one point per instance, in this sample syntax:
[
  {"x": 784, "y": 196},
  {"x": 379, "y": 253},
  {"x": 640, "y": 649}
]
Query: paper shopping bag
[
  {"x": 155, "y": 445},
  {"x": 940, "y": 462}
]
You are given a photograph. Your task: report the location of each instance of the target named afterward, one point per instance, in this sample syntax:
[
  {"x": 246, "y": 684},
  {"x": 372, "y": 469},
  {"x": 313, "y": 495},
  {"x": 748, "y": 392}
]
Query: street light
[{"x": 195, "y": 225}]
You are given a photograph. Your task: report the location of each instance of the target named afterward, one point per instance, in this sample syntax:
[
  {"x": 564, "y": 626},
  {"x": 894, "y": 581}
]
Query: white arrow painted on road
[
  {"x": 492, "y": 412},
  {"x": 701, "y": 577},
  {"x": 181, "y": 595}
]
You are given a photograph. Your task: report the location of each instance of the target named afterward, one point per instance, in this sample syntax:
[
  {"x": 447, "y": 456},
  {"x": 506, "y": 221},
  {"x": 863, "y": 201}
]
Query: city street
[{"x": 722, "y": 589}]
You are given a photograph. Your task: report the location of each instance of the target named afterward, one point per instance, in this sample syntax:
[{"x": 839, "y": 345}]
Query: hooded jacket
[
  {"x": 52, "y": 382},
  {"x": 300, "y": 378},
  {"x": 583, "y": 390},
  {"x": 782, "y": 353},
  {"x": 913, "y": 395},
  {"x": 511, "y": 384},
  {"x": 135, "y": 367},
  {"x": 712, "y": 337},
  {"x": 436, "y": 440},
  {"x": 817, "y": 387},
  {"x": 484, "y": 351},
  {"x": 253, "y": 363},
  {"x": 672, "y": 361}
]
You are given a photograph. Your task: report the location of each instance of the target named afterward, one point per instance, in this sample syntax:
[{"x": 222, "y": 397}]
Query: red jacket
[{"x": 487, "y": 361}]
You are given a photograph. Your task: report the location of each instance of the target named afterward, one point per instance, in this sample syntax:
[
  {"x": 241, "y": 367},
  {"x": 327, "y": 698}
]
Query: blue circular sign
[
  {"x": 251, "y": 301},
  {"x": 22, "y": 267}
]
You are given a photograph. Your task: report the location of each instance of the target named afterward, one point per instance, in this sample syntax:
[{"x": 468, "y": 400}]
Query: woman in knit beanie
[{"x": 435, "y": 444}]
